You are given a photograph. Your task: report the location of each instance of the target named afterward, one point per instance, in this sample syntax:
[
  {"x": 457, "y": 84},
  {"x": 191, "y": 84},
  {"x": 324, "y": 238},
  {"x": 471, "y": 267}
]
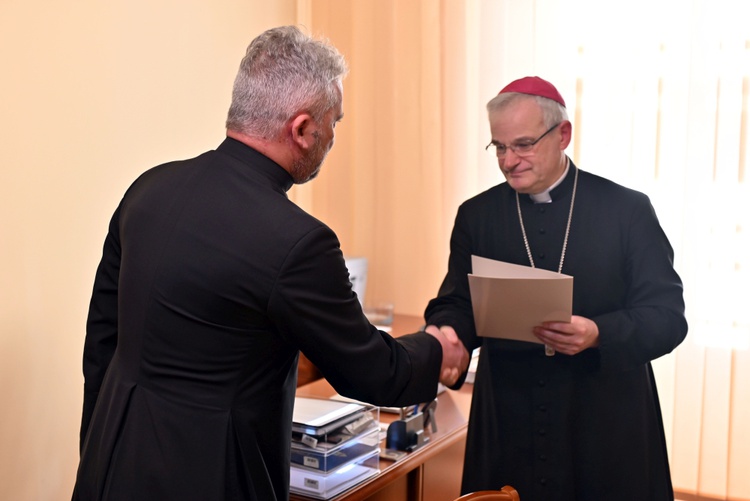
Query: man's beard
[{"x": 308, "y": 167}]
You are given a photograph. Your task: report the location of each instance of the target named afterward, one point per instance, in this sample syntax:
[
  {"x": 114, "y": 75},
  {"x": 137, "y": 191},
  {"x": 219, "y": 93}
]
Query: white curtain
[{"x": 658, "y": 92}]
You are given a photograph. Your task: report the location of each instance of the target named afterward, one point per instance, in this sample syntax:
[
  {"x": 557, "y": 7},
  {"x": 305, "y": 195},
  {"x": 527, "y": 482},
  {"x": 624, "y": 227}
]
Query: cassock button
[
  {"x": 540, "y": 255},
  {"x": 542, "y": 209},
  {"x": 542, "y": 408},
  {"x": 542, "y": 432},
  {"x": 541, "y": 382},
  {"x": 543, "y": 481},
  {"x": 542, "y": 457},
  {"x": 542, "y": 231}
]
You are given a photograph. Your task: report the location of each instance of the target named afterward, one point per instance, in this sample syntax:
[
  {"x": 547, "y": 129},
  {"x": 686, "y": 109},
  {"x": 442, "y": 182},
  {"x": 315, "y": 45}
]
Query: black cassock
[
  {"x": 211, "y": 281},
  {"x": 570, "y": 428}
]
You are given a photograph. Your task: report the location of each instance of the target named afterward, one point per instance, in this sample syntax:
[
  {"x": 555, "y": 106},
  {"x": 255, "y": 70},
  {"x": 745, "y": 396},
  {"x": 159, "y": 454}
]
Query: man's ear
[
  {"x": 566, "y": 134},
  {"x": 301, "y": 131}
]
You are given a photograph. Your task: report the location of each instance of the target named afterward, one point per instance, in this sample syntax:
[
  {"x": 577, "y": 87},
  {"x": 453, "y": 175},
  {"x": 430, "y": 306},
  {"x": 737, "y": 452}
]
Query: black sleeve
[
  {"x": 315, "y": 309},
  {"x": 101, "y": 325},
  {"x": 452, "y": 306},
  {"x": 652, "y": 322}
]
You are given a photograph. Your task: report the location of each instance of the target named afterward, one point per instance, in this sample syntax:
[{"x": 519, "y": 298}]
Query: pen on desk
[{"x": 408, "y": 411}]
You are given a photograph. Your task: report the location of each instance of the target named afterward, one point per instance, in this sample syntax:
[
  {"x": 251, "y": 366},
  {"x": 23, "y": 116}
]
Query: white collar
[{"x": 544, "y": 197}]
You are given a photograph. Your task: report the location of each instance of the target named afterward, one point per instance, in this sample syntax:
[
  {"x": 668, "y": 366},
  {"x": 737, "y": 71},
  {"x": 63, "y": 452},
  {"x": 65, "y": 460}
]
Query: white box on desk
[{"x": 325, "y": 485}]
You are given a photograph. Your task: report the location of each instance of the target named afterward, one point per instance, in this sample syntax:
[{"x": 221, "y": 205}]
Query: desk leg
[{"x": 415, "y": 484}]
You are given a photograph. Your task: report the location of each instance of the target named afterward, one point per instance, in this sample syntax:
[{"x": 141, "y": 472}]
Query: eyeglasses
[{"x": 522, "y": 148}]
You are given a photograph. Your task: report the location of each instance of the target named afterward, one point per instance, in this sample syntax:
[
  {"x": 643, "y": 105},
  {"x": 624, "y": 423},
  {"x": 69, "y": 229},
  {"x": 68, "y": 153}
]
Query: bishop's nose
[{"x": 509, "y": 161}]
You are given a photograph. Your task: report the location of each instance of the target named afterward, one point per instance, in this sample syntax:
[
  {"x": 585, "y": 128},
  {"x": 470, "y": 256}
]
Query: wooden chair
[{"x": 507, "y": 493}]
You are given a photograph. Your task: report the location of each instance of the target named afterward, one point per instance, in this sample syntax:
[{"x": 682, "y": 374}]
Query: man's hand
[
  {"x": 455, "y": 356},
  {"x": 571, "y": 337}
]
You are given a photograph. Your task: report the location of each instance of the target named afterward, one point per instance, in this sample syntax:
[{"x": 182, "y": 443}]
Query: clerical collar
[{"x": 544, "y": 197}]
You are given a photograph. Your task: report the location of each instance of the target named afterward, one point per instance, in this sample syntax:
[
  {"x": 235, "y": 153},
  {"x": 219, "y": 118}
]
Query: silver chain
[{"x": 567, "y": 229}]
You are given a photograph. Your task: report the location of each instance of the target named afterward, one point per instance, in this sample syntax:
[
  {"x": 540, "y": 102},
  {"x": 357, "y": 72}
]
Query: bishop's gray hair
[
  {"x": 284, "y": 72},
  {"x": 552, "y": 111}
]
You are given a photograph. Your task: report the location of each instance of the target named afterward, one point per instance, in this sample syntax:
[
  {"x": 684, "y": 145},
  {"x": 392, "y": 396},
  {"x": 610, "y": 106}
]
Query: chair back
[{"x": 507, "y": 493}]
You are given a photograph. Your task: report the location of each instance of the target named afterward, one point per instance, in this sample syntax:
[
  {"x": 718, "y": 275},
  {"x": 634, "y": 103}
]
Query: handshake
[{"x": 455, "y": 356}]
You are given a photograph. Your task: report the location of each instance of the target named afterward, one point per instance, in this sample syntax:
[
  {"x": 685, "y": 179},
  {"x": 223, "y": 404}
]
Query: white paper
[{"x": 318, "y": 412}]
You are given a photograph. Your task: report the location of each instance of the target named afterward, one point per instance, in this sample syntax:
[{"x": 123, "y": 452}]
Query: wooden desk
[{"x": 431, "y": 473}]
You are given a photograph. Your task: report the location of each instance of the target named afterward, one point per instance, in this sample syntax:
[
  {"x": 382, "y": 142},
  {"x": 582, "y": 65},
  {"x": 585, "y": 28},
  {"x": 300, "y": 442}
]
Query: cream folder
[{"x": 509, "y": 300}]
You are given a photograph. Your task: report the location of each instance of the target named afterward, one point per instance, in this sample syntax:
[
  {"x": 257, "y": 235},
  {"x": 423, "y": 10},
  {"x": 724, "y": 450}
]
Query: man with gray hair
[{"x": 210, "y": 285}]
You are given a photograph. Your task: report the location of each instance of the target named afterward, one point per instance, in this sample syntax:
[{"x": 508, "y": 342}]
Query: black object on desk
[{"x": 407, "y": 434}]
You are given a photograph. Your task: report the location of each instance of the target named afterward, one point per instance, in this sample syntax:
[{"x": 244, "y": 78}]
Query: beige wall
[{"x": 91, "y": 94}]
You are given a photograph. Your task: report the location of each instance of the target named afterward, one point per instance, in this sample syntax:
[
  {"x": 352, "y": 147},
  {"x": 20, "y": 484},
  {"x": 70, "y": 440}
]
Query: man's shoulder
[
  {"x": 490, "y": 195},
  {"x": 173, "y": 167},
  {"x": 609, "y": 189}
]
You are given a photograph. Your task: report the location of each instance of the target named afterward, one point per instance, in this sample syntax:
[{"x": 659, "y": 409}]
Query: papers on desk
[
  {"x": 389, "y": 410},
  {"x": 316, "y": 416},
  {"x": 402, "y": 411},
  {"x": 509, "y": 300}
]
